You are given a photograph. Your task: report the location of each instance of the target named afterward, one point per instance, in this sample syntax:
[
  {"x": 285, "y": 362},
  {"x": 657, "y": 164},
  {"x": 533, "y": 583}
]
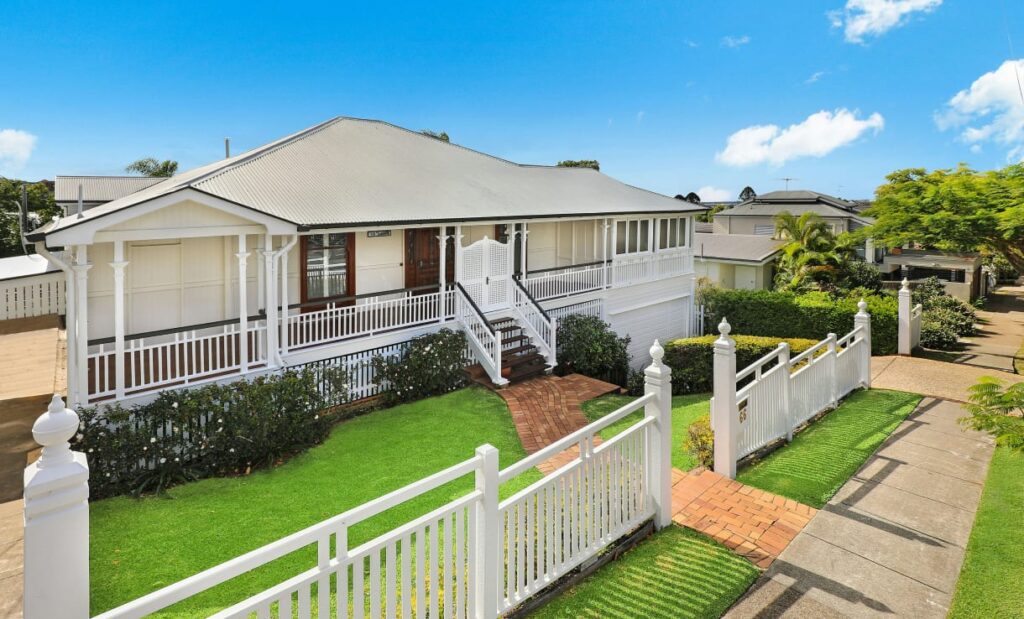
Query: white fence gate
[
  {"x": 37, "y": 295},
  {"x": 471, "y": 557},
  {"x": 782, "y": 392}
]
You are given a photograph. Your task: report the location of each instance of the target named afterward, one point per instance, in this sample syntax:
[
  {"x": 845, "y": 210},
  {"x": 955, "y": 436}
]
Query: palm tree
[
  {"x": 149, "y": 166},
  {"x": 810, "y": 255}
]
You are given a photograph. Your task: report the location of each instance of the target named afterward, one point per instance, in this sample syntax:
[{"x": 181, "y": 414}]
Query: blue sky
[{"x": 669, "y": 96}]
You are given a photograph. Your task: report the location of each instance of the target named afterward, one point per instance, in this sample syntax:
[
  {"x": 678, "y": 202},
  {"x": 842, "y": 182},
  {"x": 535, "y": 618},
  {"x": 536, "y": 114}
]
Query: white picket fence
[
  {"x": 38, "y": 295},
  {"x": 909, "y": 321},
  {"x": 780, "y": 393},
  {"x": 472, "y": 557}
]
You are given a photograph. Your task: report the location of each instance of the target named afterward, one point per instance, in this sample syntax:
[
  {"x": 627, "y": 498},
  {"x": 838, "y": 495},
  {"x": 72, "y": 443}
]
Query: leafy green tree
[
  {"x": 149, "y": 166},
  {"x": 747, "y": 193},
  {"x": 41, "y": 208},
  {"x": 811, "y": 255},
  {"x": 998, "y": 410},
  {"x": 580, "y": 163},
  {"x": 956, "y": 210},
  {"x": 439, "y": 135}
]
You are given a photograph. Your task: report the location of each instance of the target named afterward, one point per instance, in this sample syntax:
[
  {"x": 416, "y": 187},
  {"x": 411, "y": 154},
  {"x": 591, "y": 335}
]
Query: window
[
  {"x": 632, "y": 236},
  {"x": 327, "y": 265},
  {"x": 672, "y": 233}
]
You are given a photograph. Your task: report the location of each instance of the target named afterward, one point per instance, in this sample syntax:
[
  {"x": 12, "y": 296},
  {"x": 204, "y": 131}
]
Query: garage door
[{"x": 663, "y": 321}]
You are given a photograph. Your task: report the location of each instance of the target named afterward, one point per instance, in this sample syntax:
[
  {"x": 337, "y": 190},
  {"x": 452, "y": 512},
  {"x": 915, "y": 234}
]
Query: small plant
[
  {"x": 588, "y": 345},
  {"x": 432, "y": 364},
  {"x": 938, "y": 335},
  {"x": 997, "y": 410},
  {"x": 636, "y": 383},
  {"x": 700, "y": 441}
]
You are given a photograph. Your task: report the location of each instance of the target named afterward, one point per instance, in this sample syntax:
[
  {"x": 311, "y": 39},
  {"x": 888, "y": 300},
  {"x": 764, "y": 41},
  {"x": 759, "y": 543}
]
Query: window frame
[
  {"x": 681, "y": 241},
  {"x": 633, "y": 249}
]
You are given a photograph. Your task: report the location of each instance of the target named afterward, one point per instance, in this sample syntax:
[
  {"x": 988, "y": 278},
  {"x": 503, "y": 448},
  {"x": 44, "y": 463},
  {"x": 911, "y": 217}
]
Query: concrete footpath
[{"x": 891, "y": 542}]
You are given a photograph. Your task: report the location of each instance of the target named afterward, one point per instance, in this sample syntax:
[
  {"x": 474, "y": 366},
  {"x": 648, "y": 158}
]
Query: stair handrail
[
  {"x": 487, "y": 353},
  {"x": 549, "y": 339}
]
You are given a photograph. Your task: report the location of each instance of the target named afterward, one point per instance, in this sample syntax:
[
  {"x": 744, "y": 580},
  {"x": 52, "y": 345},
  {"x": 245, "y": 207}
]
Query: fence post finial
[
  {"x": 906, "y": 284},
  {"x": 725, "y": 417},
  {"x": 862, "y": 321},
  {"x": 56, "y": 521},
  {"x": 658, "y": 380}
]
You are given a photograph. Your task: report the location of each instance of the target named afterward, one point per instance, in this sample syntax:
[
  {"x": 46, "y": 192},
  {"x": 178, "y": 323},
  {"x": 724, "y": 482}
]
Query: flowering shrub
[
  {"x": 210, "y": 431},
  {"x": 700, "y": 441},
  {"x": 432, "y": 364}
]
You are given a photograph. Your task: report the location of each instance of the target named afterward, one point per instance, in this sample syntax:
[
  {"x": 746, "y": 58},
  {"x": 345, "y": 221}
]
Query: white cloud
[
  {"x": 15, "y": 148},
  {"x": 818, "y": 135},
  {"x": 709, "y": 193},
  {"x": 817, "y": 75},
  {"x": 691, "y": 44},
  {"x": 873, "y": 18},
  {"x": 640, "y": 116},
  {"x": 731, "y": 41},
  {"x": 991, "y": 110}
]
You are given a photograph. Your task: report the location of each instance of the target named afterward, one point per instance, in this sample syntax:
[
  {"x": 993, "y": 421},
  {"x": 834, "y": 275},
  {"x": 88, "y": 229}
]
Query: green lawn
[
  {"x": 990, "y": 582},
  {"x": 821, "y": 458},
  {"x": 140, "y": 545},
  {"x": 676, "y": 573},
  {"x": 685, "y": 409}
]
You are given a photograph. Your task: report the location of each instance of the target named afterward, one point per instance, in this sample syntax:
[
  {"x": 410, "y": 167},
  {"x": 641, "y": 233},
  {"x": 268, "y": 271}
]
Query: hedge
[
  {"x": 810, "y": 315},
  {"x": 692, "y": 359}
]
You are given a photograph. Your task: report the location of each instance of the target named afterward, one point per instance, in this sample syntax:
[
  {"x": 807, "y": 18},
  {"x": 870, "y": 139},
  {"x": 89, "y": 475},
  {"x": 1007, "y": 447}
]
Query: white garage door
[{"x": 663, "y": 321}]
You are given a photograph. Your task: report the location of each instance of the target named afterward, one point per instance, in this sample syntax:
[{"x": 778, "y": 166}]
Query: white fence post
[
  {"x": 57, "y": 521},
  {"x": 787, "y": 389},
  {"x": 904, "y": 347},
  {"x": 658, "y": 380},
  {"x": 833, "y": 369},
  {"x": 724, "y": 415},
  {"x": 488, "y": 535},
  {"x": 862, "y": 320}
]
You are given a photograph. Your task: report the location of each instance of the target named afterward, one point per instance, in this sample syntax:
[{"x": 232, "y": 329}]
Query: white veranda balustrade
[
  {"x": 471, "y": 557},
  {"x": 780, "y": 393},
  {"x": 562, "y": 282}
]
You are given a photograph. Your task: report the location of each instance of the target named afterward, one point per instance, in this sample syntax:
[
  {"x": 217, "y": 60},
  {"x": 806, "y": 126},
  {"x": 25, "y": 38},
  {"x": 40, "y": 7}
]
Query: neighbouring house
[
  {"x": 962, "y": 274},
  {"x": 742, "y": 261},
  {"x": 350, "y": 237},
  {"x": 757, "y": 215},
  {"x": 90, "y": 191}
]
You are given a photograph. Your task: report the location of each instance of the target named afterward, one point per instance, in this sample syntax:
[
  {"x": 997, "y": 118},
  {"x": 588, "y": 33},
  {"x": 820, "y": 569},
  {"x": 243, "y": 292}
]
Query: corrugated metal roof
[
  {"x": 100, "y": 188},
  {"x": 24, "y": 266},
  {"x": 350, "y": 171},
  {"x": 741, "y": 247}
]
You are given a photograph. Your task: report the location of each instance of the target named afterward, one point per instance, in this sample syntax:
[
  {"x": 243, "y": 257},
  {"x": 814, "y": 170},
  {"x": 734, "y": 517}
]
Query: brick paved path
[
  {"x": 753, "y": 523},
  {"x": 546, "y": 408}
]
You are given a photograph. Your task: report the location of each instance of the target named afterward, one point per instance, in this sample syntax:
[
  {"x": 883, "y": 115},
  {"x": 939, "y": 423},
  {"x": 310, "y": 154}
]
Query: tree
[
  {"x": 149, "y": 166},
  {"x": 954, "y": 210},
  {"x": 41, "y": 208},
  {"x": 692, "y": 197},
  {"x": 748, "y": 193},
  {"x": 438, "y": 135},
  {"x": 580, "y": 163},
  {"x": 811, "y": 255}
]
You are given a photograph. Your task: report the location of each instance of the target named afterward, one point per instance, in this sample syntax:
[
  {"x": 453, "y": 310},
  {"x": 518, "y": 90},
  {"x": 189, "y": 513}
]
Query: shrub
[
  {"x": 589, "y": 346},
  {"x": 997, "y": 410},
  {"x": 953, "y": 312},
  {"x": 692, "y": 359},
  {"x": 212, "y": 430},
  {"x": 432, "y": 364},
  {"x": 859, "y": 275},
  {"x": 810, "y": 315},
  {"x": 950, "y": 319},
  {"x": 937, "y": 334},
  {"x": 700, "y": 441},
  {"x": 927, "y": 290}
]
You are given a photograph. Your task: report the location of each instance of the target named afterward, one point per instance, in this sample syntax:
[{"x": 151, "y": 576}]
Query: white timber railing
[
  {"x": 565, "y": 281},
  {"x": 37, "y": 295},
  {"x": 628, "y": 271},
  {"x": 182, "y": 357},
  {"x": 909, "y": 315},
  {"x": 781, "y": 393},
  {"x": 540, "y": 327},
  {"x": 366, "y": 315},
  {"x": 484, "y": 340},
  {"x": 471, "y": 557}
]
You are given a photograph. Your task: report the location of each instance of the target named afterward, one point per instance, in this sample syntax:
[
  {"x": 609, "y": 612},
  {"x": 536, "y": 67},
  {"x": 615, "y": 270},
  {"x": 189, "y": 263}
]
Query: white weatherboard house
[{"x": 354, "y": 236}]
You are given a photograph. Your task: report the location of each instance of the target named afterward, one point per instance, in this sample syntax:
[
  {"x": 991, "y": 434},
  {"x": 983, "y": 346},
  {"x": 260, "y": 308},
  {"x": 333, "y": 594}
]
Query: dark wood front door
[{"x": 423, "y": 258}]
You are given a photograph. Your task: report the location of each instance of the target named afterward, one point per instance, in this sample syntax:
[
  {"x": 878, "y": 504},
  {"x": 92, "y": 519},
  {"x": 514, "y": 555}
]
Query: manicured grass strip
[
  {"x": 821, "y": 458},
  {"x": 990, "y": 582},
  {"x": 676, "y": 573},
  {"x": 138, "y": 546},
  {"x": 685, "y": 410}
]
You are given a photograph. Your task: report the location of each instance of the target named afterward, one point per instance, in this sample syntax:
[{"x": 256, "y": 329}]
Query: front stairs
[{"x": 520, "y": 357}]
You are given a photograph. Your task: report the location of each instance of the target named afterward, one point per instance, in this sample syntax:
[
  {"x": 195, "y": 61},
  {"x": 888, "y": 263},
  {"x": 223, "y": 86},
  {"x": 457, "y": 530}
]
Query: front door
[
  {"x": 487, "y": 273},
  {"x": 423, "y": 258}
]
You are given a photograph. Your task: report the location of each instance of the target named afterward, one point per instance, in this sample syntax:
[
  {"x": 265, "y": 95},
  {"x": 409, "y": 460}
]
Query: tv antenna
[{"x": 787, "y": 179}]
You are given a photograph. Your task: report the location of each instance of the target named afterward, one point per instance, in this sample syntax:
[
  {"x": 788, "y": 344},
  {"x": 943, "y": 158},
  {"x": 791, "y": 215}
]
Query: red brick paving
[{"x": 753, "y": 523}]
